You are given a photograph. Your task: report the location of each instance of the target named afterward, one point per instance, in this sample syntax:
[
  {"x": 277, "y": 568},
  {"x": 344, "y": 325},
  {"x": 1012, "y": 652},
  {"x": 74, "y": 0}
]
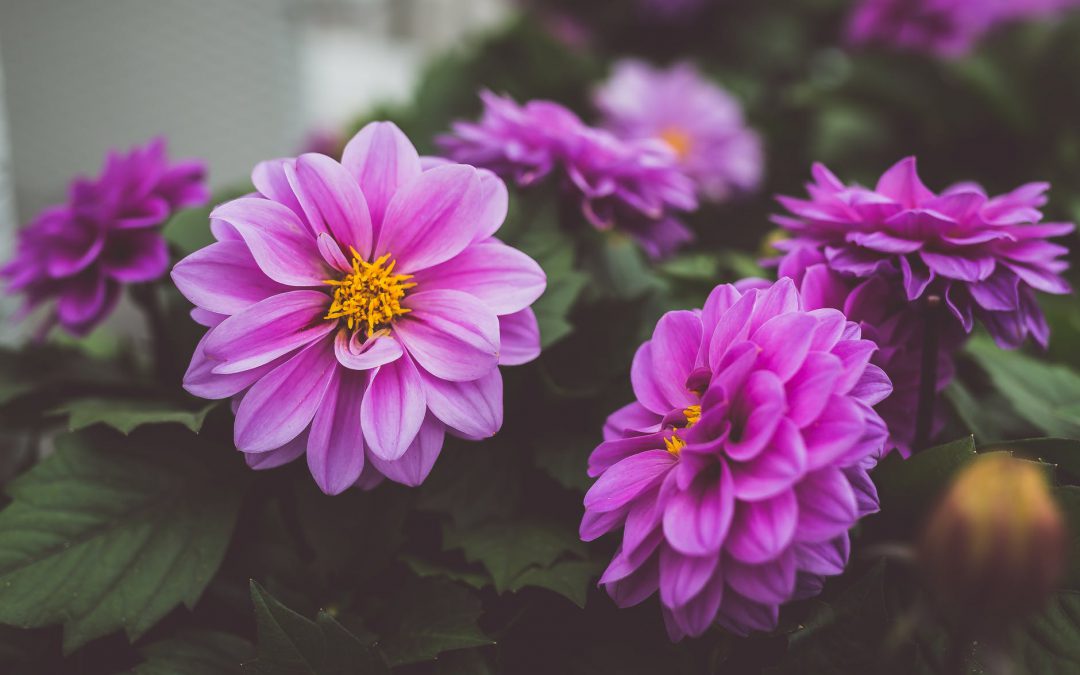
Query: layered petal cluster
[
  {"x": 360, "y": 310},
  {"x": 701, "y": 122},
  {"x": 82, "y": 252},
  {"x": 984, "y": 256},
  {"x": 949, "y": 28},
  {"x": 633, "y": 185},
  {"x": 742, "y": 465}
]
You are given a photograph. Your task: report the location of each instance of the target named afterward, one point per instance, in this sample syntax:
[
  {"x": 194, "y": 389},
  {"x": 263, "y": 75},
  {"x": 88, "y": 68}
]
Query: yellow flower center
[
  {"x": 370, "y": 295},
  {"x": 674, "y": 442},
  {"x": 678, "y": 139}
]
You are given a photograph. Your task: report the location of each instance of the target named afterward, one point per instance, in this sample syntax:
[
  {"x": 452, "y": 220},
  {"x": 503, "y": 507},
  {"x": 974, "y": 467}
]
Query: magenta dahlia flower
[
  {"x": 701, "y": 122},
  {"x": 985, "y": 256},
  {"x": 633, "y": 185},
  {"x": 360, "y": 310},
  {"x": 949, "y": 28},
  {"x": 81, "y": 253},
  {"x": 742, "y": 465}
]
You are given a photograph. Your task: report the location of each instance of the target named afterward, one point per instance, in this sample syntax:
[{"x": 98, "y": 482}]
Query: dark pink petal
[
  {"x": 82, "y": 300},
  {"x": 452, "y": 335},
  {"x": 682, "y": 577},
  {"x": 883, "y": 242},
  {"x": 503, "y": 278},
  {"x": 205, "y": 317},
  {"x": 960, "y": 205},
  {"x": 1041, "y": 278},
  {"x": 135, "y": 256},
  {"x": 916, "y": 279},
  {"x": 774, "y": 470},
  {"x": 394, "y": 408},
  {"x": 827, "y": 507},
  {"x": 272, "y": 459},
  {"x": 282, "y": 246},
  {"x": 699, "y": 613},
  {"x": 821, "y": 287},
  {"x": 720, "y": 300},
  {"x": 201, "y": 380},
  {"x": 356, "y": 353},
  {"x": 734, "y": 326},
  {"x": 224, "y": 278},
  {"x": 381, "y": 159},
  {"x": 854, "y": 354},
  {"x": 631, "y": 419},
  {"x": 617, "y": 449},
  {"x": 627, "y": 479},
  {"x": 958, "y": 266},
  {"x": 495, "y": 197},
  {"x": 866, "y": 496},
  {"x": 595, "y": 525},
  {"x": 267, "y": 330},
  {"x": 760, "y": 410},
  {"x": 827, "y": 557},
  {"x": 643, "y": 520},
  {"x": 519, "y": 338},
  {"x": 833, "y": 434},
  {"x": 335, "y": 449},
  {"x": 780, "y": 298},
  {"x": 331, "y": 253},
  {"x": 472, "y": 409},
  {"x": 809, "y": 390},
  {"x": 636, "y": 587},
  {"x": 332, "y": 201},
  {"x": 646, "y": 387},
  {"x": 901, "y": 182},
  {"x": 873, "y": 387},
  {"x": 770, "y": 583},
  {"x": 785, "y": 341},
  {"x": 432, "y": 218},
  {"x": 696, "y": 520},
  {"x": 281, "y": 404},
  {"x": 760, "y": 531},
  {"x": 999, "y": 293},
  {"x": 674, "y": 349},
  {"x": 416, "y": 463},
  {"x": 625, "y": 561},
  {"x": 743, "y": 616}
]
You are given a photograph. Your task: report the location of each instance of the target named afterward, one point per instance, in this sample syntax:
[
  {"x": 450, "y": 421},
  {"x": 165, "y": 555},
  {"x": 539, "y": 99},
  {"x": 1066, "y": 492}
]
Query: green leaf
[
  {"x": 425, "y": 569},
  {"x": 908, "y": 487},
  {"x": 126, "y": 415},
  {"x": 189, "y": 230},
  {"x": 195, "y": 653},
  {"x": 569, "y": 578},
  {"x": 565, "y": 459},
  {"x": 623, "y": 268},
  {"x": 506, "y": 550},
  {"x": 1044, "y": 394},
  {"x": 1049, "y": 644},
  {"x": 554, "y": 251},
  {"x": 474, "y": 482},
  {"x": 106, "y": 538},
  {"x": 290, "y": 644},
  {"x": 429, "y": 617},
  {"x": 1063, "y": 452}
]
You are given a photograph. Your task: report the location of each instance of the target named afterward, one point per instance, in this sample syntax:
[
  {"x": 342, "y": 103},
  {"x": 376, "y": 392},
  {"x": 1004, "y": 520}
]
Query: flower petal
[
  {"x": 416, "y": 463},
  {"x": 452, "y": 335},
  {"x": 381, "y": 159},
  {"x": 472, "y": 409},
  {"x": 502, "y": 277},
  {"x": 332, "y": 201},
  {"x": 371, "y": 353},
  {"x": 393, "y": 409},
  {"x": 697, "y": 520},
  {"x": 519, "y": 338},
  {"x": 760, "y": 531},
  {"x": 223, "y": 278},
  {"x": 627, "y": 479},
  {"x": 282, "y": 246},
  {"x": 335, "y": 449}
]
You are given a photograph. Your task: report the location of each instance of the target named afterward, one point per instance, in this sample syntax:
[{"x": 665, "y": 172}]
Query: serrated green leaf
[
  {"x": 1049, "y": 644},
  {"x": 423, "y": 568},
  {"x": 195, "y": 653},
  {"x": 1042, "y": 393},
  {"x": 126, "y": 415},
  {"x": 566, "y": 460},
  {"x": 103, "y": 538},
  {"x": 1063, "y": 452},
  {"x": 569, "y": 578},
  {"x": 429, "y": 617},
  {"x": 290, "y": 644},
  {"x": 508, "y": 549},
  {"x": 908, "y": 487}
]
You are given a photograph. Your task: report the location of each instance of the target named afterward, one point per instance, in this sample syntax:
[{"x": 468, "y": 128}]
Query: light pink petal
[
  {"x": 452, "y": 335},
  {"x": 381, "y": 159},
  {"x": 393, "y": 409},
  {"x": 674, "y": 348},
  {"x": 762, "y": 530},
  {"x": 272, "y": 459},
  {"x": 472, "y": 409},
  {"x": 223, "y": 278},
  {"x": 502, "y": 277},
  {"x": 432, "y": 218},
  {"x": 332, "y": 254},
  {"x": 335, "y": 449},
  {"x": 519, "y": 338},
  {"x": 282, "y": 246},
  {"x": 201, "y": 380},
  {"x": 267, "y": 330},
  {"x": 784, "y": 341},
  {"x": 627, "y": 479},
  {"x": 827, "y": 506},
  {"x": 682, "y": 577},
  {"x": 901, "y": 182},
  {"x": 281, "y": 404},
  {"x": 775, "y": 470},
  {"x": 371, "y": 353},
  {"x": 414, "y": 466},
  {"x": 495, "y": 197},
  {"x": 270, "y": 180},
  {"x": 332, "y": 201}
]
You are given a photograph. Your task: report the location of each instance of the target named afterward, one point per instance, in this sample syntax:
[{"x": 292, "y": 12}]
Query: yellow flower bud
[{"x": 994, "y": 549}]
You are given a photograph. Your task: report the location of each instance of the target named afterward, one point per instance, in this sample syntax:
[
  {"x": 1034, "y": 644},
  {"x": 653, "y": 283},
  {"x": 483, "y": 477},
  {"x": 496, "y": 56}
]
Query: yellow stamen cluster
[
  {"x": 369, "y": 296},
  {"x": 674, "y": 443},
  {"x": 678, "y": 139}
]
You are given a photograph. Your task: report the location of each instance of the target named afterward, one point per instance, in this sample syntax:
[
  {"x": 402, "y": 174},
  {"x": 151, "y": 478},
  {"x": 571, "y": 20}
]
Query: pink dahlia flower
[
  {"x": 634, "y": 185},
  {"x": 701, "y": 122},
  {"x": 360, "y": 310},
  {"x": 742, "y": 465},
  {"x": 985, "y": 256},
  {"x": 81, "y": 253},
  {"x": 949, "y": 28}
]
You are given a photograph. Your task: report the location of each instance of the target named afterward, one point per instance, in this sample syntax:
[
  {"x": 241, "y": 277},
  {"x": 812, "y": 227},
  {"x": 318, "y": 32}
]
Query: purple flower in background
[
  {"x": 360, "y": 310},
  {"x": 742, "y": 465},
  {"x": 632, "y": 185},
  {"x": 701, "y": 122},
  {"x": 985, "y": 256},
  {"x": 948, "y": 28},
  {"x": 671, "y": 9},
  {"x": 80, "y": 253}
]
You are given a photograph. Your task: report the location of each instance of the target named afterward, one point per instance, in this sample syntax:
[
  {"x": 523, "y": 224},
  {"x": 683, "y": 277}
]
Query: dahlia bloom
[
  {"x": 742, "y": 465},
  {"x": 360, "y": 310},
  {"x": 82, "y": 252},
  {"x": 949, "y": 28},
  {"x": 985, "y": 256},
  {"x": 701, "y": 122},
  {"x": 632, "y": 185}
]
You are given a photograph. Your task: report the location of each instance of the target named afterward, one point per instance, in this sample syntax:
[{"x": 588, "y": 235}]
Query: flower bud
[{"x": 994, "y": 549}]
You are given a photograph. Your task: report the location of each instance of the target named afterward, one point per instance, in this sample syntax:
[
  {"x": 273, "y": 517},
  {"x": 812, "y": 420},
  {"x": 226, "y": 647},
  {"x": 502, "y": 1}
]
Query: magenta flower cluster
[
  {"x": 701, "y": 122},
  {"x": 949, "y": 28},
  {"x": 633, "y": 185},
  {"x": 360, "y": 310},
  {"x": 742, "y": 465},
  {"x": 81, "y": 253}
]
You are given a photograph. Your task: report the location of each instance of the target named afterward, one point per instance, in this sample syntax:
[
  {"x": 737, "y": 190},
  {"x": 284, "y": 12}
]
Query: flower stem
[
  {"x": 146, "y": 296},
  {"x": 924, "y": 418}
]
